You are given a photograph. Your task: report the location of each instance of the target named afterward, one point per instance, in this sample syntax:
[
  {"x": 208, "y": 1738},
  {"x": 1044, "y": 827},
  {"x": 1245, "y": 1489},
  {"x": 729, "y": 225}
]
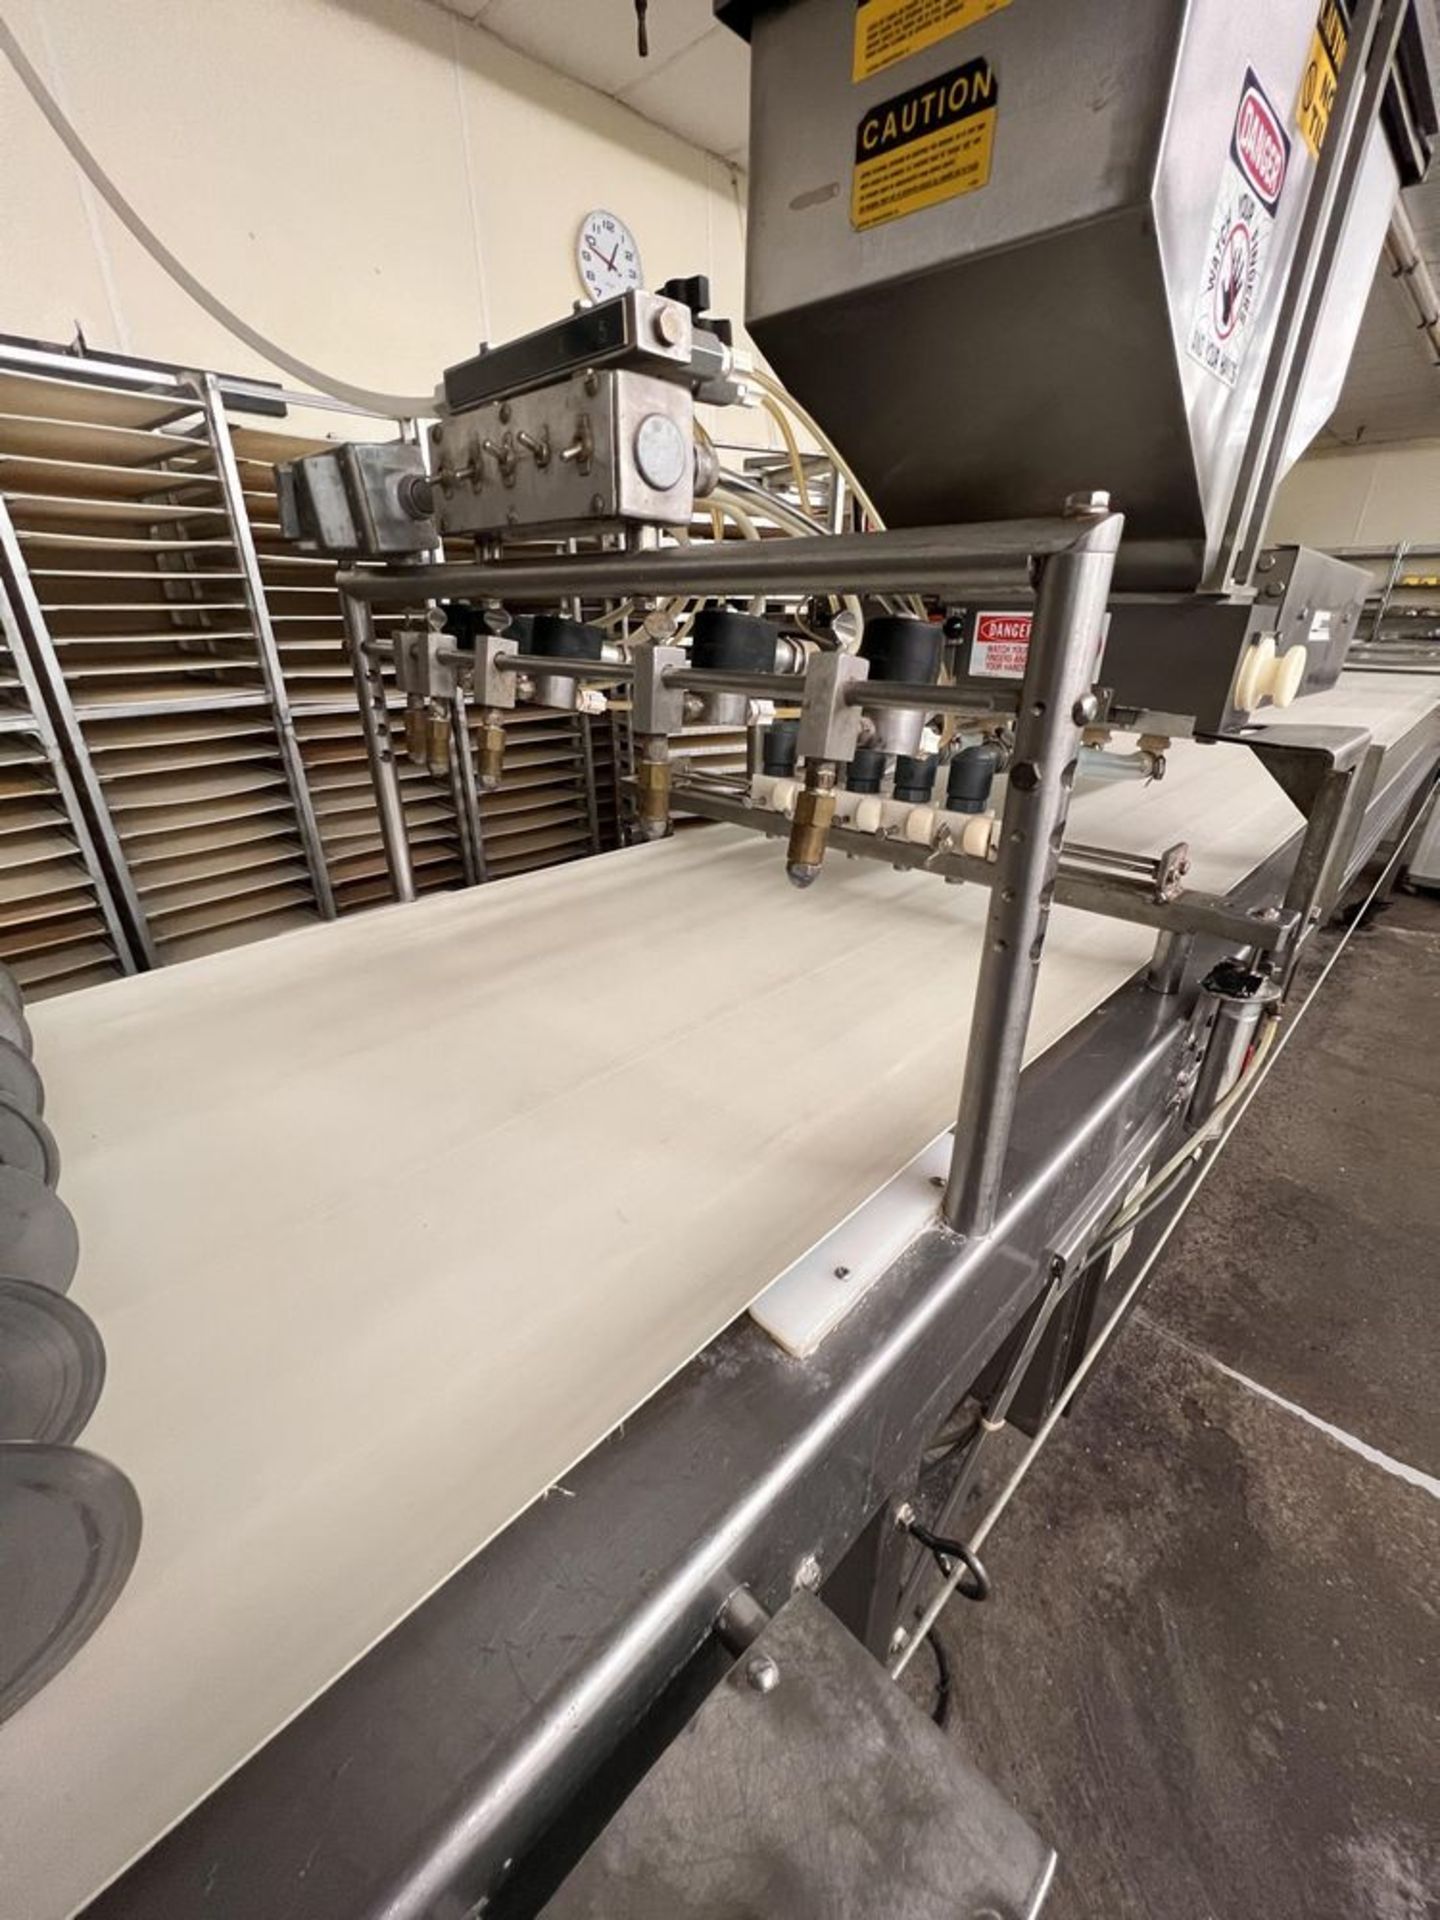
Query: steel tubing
[
  {"x": 1065, "y": 644},
  {"x": 992, "y": 554},
  {"x": 360, "y": 626}
]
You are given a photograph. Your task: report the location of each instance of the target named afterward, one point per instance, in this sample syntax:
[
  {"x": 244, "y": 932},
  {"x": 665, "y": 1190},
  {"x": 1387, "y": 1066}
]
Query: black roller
[
  {"x": 915, "y": 776},
  {"x": 52, "y": 1364},
  {"x": 865, "y": 771},
  {"x": 38, "y": 1237},
  {"x": 902, "y": 649},
  {"x": 71, "y": 1526},
  {"x": 972, "y": 774},
  {"x": 26, "y": 1142},
  {"x": 726, "y": 642},
  {"x": 560, "y": 639},
  {"x": 780, "y": 747},
  {"x": 10, "y": 989},
  {"x": 20, "y": 1079},
  {"x": 15, "y": 1028}
]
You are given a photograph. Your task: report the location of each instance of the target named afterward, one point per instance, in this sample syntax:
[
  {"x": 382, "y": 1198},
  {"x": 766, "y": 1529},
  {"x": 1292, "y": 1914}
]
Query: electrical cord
[
  {"x": 973, "y": 1582},
  {"x": 1153, "y": 1199},
  {"x": 1178, "y": 1164},
  {"x": 940, "y": 1711},
  {"x": 398, "y": 405}
]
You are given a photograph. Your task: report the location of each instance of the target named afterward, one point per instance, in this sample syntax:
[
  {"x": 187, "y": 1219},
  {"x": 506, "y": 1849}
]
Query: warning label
[
  {"x": 925, "y": 145},
  {"x": 1001, "y": 645},
  {"x": 1240, "y": 231},
  {"x": 891, "y": 30},
  {"x": 1321, "y": 80}
]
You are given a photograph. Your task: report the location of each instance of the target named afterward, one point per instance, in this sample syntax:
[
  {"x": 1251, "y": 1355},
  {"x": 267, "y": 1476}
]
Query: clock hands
[{"x": 608, "y": 258}]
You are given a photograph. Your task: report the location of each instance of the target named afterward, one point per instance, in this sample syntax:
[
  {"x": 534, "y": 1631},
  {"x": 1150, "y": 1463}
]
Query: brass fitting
[
  {"x": 810, "y": 824},
  {"x": 415, "y": 731},
  {"x": 489, "y": 750},
  {"x": 437, "y": 742},
  {"x": 652, "y": 787}
]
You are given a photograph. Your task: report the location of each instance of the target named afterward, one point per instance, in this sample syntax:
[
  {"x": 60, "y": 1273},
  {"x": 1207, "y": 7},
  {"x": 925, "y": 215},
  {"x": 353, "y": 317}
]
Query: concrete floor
[{"x": 1211, "y": 1672}]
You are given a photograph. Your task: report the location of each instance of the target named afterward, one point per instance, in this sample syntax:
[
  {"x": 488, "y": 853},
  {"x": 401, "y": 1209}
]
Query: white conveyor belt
[{"x": 388, "y": 1223}]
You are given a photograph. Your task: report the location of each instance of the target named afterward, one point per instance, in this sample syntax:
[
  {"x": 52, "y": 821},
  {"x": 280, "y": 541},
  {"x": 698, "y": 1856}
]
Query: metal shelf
[{"x": 199, "y": 669}]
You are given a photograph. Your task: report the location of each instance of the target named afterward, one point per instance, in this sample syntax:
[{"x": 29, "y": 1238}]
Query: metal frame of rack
[
  {"x": 1396, "y": 631},
  {"x": 189, "y": 669},
  {"x": 53, "y": 954}
]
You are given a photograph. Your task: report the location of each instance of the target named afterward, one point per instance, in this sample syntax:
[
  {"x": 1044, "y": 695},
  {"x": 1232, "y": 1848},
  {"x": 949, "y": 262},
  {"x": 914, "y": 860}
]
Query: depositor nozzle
[
  {"x": 810, "y": 823},
  {"x": 489, "y": 749},
  {"x": 652, "y": 786},
  {"x": 437, "y": 740}
]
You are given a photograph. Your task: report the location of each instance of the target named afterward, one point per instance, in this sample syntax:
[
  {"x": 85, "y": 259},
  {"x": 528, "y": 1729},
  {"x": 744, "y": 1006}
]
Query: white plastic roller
[{"x": 1268, "y": 675}]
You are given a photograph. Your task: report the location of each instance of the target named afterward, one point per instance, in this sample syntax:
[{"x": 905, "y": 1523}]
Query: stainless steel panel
[
  {"x": 1029, "y": 338},
  {"x": 772, "y": 1802}
]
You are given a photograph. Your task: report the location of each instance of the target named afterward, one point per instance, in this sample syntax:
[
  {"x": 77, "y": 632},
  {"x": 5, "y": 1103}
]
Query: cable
[
  {"x": 768, "y": 384},
  {"x": 792, "y": 446},
  {"x": 940, "y": 1712},
  {"x": 1251, "y": 1086},
  {"x": 392, "y": 404},
  {"x": 1135, "y": 1208}
]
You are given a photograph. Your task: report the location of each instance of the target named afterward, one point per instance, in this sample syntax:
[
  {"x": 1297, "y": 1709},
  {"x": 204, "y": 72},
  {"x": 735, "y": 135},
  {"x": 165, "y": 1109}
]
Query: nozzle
[
  {"x": 415, "y": 730},
  {"x": 810, "y": 824},
  {"x": 437, "y": 741},
  {"x": 489, "y": 750},
  {"x": 652, "y": 782}
]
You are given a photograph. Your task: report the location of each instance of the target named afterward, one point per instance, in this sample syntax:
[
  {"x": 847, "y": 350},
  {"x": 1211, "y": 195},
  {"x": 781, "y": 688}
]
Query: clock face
[{"x": 607, "y": 256}]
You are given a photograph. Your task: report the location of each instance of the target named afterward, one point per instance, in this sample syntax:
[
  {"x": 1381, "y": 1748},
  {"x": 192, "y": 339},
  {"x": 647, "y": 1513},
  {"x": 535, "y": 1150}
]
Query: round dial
[{"x": 607, "y": 256}]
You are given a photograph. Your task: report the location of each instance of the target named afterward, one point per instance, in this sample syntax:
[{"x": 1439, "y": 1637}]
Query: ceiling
[
  {"x": 696, "y": 81},
  {"x": 696, "y": 84}
]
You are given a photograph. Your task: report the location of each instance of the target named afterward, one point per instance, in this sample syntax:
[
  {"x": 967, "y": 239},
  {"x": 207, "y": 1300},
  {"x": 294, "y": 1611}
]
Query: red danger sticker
[
  {"x": 1001, "y": 644},
  {"x": 1260, "y": 146},
  {"x": 1232, "y": 283}
]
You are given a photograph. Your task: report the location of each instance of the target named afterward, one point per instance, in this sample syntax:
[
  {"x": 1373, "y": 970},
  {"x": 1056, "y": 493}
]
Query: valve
[
  {"x": 652, "y": 784},
  {"x": 810, "y": 824},
  {"x": 437, "y": 741},
  {"x": 489, "y": 749}
]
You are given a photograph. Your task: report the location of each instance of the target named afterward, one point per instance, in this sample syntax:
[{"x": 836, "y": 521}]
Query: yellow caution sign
[
  {"x": 1321, "y": 80},
  {"x": 891, "y": 30},
  {"x": 926, "y": 145}
]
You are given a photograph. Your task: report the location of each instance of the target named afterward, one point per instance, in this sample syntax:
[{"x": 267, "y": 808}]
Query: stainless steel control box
[{"x": 603, "y": 448}]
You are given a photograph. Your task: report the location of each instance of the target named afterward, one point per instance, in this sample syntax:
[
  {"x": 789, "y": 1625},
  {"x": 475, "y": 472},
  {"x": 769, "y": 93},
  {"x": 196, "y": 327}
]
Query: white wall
[
  {"x": 373, "y": 183},
  {"x": 1362, "y": 497}
]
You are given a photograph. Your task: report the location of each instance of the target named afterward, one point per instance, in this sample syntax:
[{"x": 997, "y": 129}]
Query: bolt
[
  {"x": 1086, "y": 710},
  {"x": 1090, "y": 501},
  {"x": 762, "y": 1674},
  {"x": 905, "y": 1515},
  {"x": 937, "y": 1180},
  {"x": 899, "y": 1639},
  {"x": 842, "y": 1273},
  {"x": 669, "y": 326},
  {"x": 504, "y": 413},
  {"x": 807, "y": 1574}
]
